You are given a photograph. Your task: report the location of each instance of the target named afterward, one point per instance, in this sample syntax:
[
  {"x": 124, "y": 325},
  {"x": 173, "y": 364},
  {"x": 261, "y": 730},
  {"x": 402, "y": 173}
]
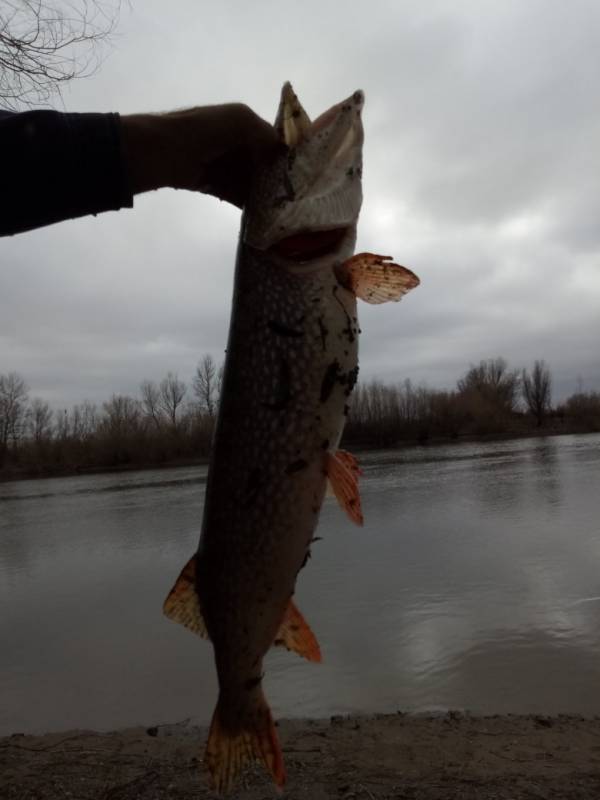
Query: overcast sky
[{"x": 482, "y": 172}]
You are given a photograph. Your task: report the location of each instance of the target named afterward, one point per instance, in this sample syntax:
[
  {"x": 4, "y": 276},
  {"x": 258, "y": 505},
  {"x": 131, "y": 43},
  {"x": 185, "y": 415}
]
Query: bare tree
[
  {"x": 13, "y": 408},
  {"x": 43, "y": 45},
  {"x": 537, "y": 390},
  {"x": 39, "y": 420},
  {"x": 408, "y": 402},
  {"x": 206, "y": 382},
  {"x": 151, "y": 402},
  {"x": 583, "y": 409},
  {"x": 62, "y": 424},
  {"x": 172, "y": 392},
  {"x": 493, "y": 382},
  {"x": 88, "y": 420},
  {"x": 75, "y": 423},
  {"x": 121, "y": 414},
  {"x": 81, "y": 423}
]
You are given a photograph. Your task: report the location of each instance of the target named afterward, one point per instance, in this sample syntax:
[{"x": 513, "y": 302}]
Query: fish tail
[{"x": 230, "y": 748}]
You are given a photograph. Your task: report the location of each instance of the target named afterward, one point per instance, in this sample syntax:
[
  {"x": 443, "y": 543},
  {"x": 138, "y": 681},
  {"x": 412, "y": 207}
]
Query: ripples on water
[{"x": 475, "y": 584}]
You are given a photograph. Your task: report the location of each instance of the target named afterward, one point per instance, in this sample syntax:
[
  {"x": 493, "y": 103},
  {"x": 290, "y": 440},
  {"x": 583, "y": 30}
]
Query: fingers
[
  {"x": 261, "y": 138},
  {"x": 243, "y": 142},
  {"x": 212, "y": 149},
  {"x": 228, "y": 178}
]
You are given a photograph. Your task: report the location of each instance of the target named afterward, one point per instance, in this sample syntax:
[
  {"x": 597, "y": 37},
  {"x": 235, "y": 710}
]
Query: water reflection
[
  {"x": 546, "y": 471},
  {"x": 475, "y": 583}
]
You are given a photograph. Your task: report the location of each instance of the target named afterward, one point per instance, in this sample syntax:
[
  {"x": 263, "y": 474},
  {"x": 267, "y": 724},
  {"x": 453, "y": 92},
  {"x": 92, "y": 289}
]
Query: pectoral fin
[
  {"x": 295, "y": 634},
  {"x": 375, "y": 279},
  {"x": 342, "y": 470},
  {"x": 182, "y": 604}
]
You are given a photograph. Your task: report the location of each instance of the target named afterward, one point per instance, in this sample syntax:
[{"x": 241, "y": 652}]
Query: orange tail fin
[{"x": 227, "y": 752}]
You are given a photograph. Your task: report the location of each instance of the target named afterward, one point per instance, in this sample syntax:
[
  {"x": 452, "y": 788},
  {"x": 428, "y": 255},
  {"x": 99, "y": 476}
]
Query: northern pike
[{"x": 291, "y": 365}]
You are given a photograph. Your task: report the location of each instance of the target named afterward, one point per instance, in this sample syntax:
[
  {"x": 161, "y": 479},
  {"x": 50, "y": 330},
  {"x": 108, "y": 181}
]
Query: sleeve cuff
[
  {"x": 60, "y": 166},
  {"x": 101, "y": 179}
]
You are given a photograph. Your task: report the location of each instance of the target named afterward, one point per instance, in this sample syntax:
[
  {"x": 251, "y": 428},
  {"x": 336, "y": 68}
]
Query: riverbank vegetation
[{"x": 171, "y": 422}]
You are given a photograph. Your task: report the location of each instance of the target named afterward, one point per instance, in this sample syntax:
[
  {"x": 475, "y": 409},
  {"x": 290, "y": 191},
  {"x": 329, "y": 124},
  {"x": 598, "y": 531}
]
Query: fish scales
[
  {"x": 291, "y": 365},
  {"x": 269, "y": 445}
]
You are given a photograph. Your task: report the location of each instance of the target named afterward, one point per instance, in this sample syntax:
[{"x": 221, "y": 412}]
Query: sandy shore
[{"x": 355, "y": 758}]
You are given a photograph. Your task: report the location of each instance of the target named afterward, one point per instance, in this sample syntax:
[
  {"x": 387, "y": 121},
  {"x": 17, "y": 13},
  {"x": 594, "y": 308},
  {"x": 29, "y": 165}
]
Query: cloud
[{"x": 481, "y": 165}]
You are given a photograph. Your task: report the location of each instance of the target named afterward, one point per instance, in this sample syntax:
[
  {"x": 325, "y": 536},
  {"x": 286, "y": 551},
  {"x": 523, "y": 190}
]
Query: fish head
[{"x": 305, "y": 203}]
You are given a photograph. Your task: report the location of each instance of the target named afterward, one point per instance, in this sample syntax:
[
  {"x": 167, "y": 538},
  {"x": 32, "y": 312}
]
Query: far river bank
[{"x": 16, "y": 472}]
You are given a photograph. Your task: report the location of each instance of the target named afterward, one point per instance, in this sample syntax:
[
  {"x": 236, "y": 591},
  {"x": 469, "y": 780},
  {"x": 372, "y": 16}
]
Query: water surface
[{"x": 474, "y": 584}]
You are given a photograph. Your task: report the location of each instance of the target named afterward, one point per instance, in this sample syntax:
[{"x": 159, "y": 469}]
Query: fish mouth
[
  {"x": 308, "y": 245},
  {"x": 293, "y": 124},
  {"x": 303, "y": 205}
]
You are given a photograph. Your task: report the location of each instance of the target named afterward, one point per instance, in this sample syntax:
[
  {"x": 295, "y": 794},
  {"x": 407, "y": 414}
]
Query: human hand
[{"x": 211, "y": 149}]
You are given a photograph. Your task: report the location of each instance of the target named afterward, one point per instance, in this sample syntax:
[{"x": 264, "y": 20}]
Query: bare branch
[
  {"x": 493, "y": 383},
  {"x": 151, "y": 402},
  {"x": 537, "y": 391},
  {"x": 13, "y": 409},
  {"x": 172, "y": 392},
  {"x": 44, "y": 45},
  {"x": 206, "y": 383},
  {"x": 39, "y": 420}
]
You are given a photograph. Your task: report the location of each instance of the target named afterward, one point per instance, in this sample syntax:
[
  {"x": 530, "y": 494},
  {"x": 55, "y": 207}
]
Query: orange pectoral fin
[
  {"x": 295, "y": 634},
  {"x": 376, "y": 279},
  {"x": 350, "y": 462},
  {"x": 182, "y": 604},
  {"x": 343, "y": 471}
]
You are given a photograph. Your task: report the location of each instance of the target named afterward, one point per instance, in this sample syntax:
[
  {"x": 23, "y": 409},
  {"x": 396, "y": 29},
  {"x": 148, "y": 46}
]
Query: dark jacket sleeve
[{"x": 58, "y": 166}]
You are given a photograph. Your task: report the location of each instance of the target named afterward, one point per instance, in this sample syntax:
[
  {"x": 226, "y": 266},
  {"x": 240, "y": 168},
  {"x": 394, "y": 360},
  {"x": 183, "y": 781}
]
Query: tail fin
[{"x": 227, "y": 752}]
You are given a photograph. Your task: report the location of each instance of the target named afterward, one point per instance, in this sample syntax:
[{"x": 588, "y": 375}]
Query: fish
[{"x": 291, "y": 365}]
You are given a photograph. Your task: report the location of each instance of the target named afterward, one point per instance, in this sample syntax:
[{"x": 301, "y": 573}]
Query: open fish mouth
[
  {"x": 312, "y": 195},
  {"x": 308, "y": 245}
]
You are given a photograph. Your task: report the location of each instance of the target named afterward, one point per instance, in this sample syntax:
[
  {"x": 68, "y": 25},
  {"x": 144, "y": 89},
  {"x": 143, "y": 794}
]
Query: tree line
[
  {"x": 490, "y": 399},
  {"x": 170, "y": 421},
  {"x": 167, "y": 422}
]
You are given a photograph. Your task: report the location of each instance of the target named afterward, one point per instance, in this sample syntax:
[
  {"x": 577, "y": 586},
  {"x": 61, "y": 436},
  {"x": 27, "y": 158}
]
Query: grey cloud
[{"x": 481, "y": 165}]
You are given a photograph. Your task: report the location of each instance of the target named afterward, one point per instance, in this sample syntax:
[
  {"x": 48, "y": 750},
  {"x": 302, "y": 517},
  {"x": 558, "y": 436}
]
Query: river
[{"x": 474, "y": 585}]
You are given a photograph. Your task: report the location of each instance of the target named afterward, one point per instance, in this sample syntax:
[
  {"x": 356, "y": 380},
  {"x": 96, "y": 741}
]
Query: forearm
[
  {"x": 209, "y": 149},
  {"x": 60, "y": 166},
  {"x": 147, "y": 150}
]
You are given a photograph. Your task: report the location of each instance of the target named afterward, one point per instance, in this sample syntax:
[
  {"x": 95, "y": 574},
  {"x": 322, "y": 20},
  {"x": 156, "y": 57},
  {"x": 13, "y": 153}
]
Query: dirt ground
[{"x": 354, "y": 758}]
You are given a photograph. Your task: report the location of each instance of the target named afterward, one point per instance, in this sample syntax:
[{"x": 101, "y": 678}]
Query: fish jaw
[{"x": 316, "y": 185}]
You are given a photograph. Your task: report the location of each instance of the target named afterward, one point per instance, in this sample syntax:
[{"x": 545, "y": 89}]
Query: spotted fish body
[{"x": 292, "y": 362}]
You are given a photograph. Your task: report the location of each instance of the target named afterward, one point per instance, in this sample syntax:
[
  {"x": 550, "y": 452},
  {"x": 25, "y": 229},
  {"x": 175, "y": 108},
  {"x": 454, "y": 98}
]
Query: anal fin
[
  {"x": 295, "y": 634},
  {"x": 376, "y": 279},
  {"x": 342, "y": 470},
  {"x": 182, "y": 604}
]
